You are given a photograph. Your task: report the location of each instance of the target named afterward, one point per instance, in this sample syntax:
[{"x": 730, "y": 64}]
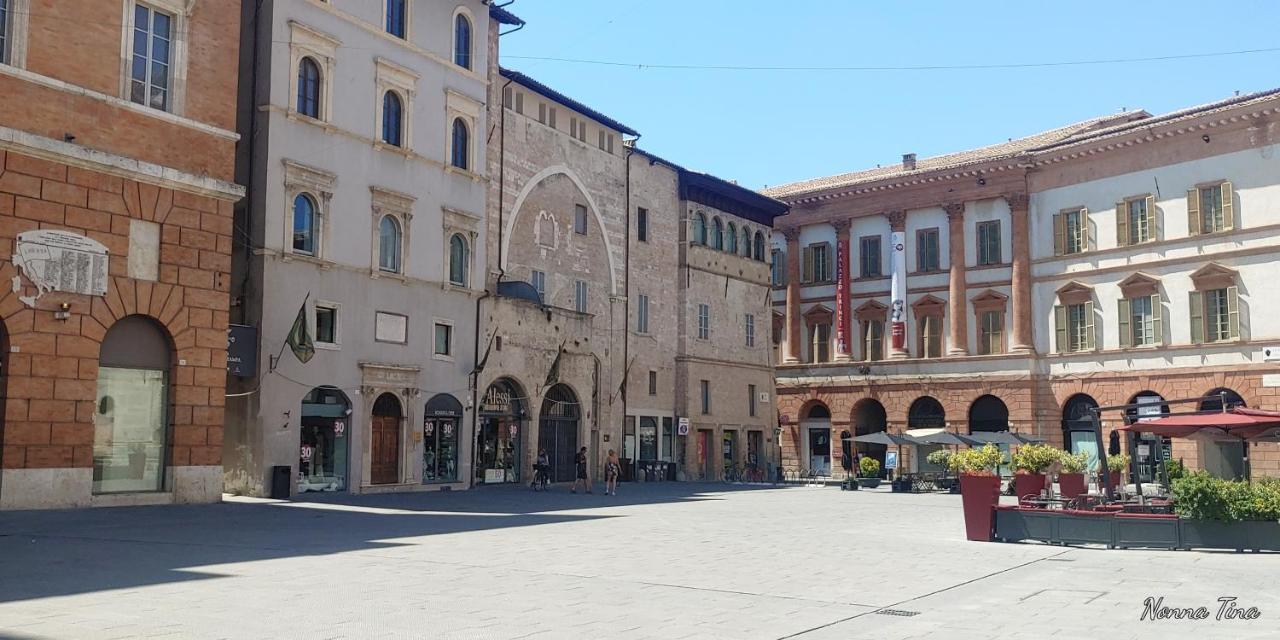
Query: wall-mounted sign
[
  {"x": 242, "y": 350},
  {"x": 682, "y": 427},
  {"x": 59, "y": 261},
  {"x": 390, "y": 327},
  {"x": 891, "y": 460}
]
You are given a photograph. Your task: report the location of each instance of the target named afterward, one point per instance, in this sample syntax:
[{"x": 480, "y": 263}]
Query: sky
[{"x": 770, "y": 127}]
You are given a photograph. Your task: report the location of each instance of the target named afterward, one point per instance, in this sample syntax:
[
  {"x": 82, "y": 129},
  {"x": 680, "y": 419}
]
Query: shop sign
[
  {"x": 891, "y": 460},
  {"x": 339, "y": 427},
  {"x": 448, "y": 429},
  {"x": 428, "y": 427},
  {"x": 307, "y": 452},
  {"x": 242, "y": 350},
  {"x": 62, "y": 261},
  {"x": 682, "y": 427}
]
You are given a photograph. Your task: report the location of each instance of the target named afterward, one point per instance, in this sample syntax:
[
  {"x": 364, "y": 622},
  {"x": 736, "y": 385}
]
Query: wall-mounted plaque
[{"x": 59, "y": 261}]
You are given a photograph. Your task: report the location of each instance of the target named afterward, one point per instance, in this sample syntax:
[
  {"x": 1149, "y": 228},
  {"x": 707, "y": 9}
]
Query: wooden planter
[
  {"x": 979, "y": 495},
  {"x": 1071, "y": 485}
]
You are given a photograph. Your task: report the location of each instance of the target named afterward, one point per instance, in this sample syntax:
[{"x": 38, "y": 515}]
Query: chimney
[{"x": 909, "y": 161}]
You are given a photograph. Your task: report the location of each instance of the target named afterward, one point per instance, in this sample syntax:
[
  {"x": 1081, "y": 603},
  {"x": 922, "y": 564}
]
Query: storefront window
[
  {"x": 441, "y": 422},
  {"x": 498, "y": 442},
  {"x": 322, "y": 457},
  {"x": 648, "y": 438},
  {"x": 668, "y": 437},
  {"x": 130, "y": 417}
]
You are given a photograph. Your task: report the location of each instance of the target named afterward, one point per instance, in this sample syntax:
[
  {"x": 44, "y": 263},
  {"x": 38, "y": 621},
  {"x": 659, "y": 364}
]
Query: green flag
[
  {"x": 553, "y": 375},
  {"x": 299, "y": 340}
]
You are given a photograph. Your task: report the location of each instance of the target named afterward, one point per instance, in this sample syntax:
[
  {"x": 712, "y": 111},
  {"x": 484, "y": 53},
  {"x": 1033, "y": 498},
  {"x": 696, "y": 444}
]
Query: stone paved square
[{"x": 668, "y": 560}]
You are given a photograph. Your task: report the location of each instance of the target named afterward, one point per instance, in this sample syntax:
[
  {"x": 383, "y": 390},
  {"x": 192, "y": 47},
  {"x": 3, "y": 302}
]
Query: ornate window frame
[
  {"x": 457, "y": 105},
  {"x": 389, "y": 76},
  {"x": 467, "y": 224},
  {"x": 307, "y": 41},
  {"x": 320, "y": 184},
  {"x": 386, "y": 202}
]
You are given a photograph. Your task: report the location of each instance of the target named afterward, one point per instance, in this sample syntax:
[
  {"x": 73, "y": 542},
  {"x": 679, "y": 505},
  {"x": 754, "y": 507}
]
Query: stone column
[
  {"x": 843, "y": 335},
  {"x": 791, "y": 354},
  {"x": 1021, "y": 339},
  {"x": 957, "y": 305},
  {"x": 898, "y": 285}
]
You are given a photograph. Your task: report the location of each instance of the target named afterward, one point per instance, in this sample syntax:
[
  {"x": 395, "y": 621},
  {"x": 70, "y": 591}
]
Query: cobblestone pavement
[{"x": 660, "y": 561}]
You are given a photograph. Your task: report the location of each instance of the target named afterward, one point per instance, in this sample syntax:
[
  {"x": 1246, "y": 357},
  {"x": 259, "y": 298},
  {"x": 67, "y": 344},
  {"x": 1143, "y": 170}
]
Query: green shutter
[
  {"x": 1233, "y": 313},
  {"x": 1157, "y": 320},
  {"x": 1228, "y": 206},
  {"x": 1090, "y": 343},
  {"x": 1197, "y": 316},
  {"x": 1151, "y": 219},
  {"x": 828, "y": 274},
  {"x": 1084, "y": 230},
  {"x": 1060, "y": 328},
  {"x": 1193, "y": 212},
  {"x": 806, "y": 265},
  {"x": 1059, "y": 234},
  {"x": 1122, "y": 223},
  {"x": 1126, "y": 320}
]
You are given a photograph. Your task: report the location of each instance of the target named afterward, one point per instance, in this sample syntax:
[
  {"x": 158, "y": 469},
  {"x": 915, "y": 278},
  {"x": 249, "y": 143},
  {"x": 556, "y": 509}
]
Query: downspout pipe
[{"x": 626, "y": 291}]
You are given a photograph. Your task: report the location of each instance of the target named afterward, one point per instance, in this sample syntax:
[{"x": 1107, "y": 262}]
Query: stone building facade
[
  {"x": 365, "y": 151},
  {"x": 1116, "y": 261},
  {"x": 116, "y": 196}
]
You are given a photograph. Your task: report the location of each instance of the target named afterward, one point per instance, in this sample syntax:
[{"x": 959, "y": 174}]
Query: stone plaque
[
  {"x": 59, "y": 261},
  {"x": 390, "y": 327}
]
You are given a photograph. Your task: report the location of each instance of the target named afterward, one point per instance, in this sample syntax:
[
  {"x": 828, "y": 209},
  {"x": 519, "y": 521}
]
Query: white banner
[{"x": 898, "y": 288}]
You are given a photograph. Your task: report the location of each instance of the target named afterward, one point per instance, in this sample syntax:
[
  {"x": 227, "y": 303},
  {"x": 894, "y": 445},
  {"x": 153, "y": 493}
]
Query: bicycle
[
  {"x": 731, "y": 474},
  {"x": 540, "y": 480}
]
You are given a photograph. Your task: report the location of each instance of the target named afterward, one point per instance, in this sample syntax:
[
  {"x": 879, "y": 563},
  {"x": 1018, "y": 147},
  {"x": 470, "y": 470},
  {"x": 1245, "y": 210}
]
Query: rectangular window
[
  {"x": 609, "y": 140},
  {"x": 149, "y": 69},
  {"x": 991, "y": 328},
  {"x": 1074, "y": 327},
  {"x": 326, "y": 324},
  {"x": 820, "y": 343},
  {"x": 1136, "y": 221},
  {"x": 777, "y": 268},
  {"x": 931, "y": 336},
  {"x": 1215, "y": 315},
  {"x": 989, "y": 242},
  {"x": 600, "y": 139},
  {"x": 1140, "y": 323},
  {"x": 1070, "y": 232},
  {"x": 539, "y": 281},
  {"x": 704, "y": 322},
  {"x": 396, "y": 17},
  {"x": 520, "y": 104},
  {"x": 551, "y": 118},
  {"x": 542, "y": 112},
  {"x": 642, "y": 314},
  {"x": 1210, "y": 208},
  {"x": 750, "y": 327},
  {"x": 869, "y": 257},
  {"x": 653, "y": 383},
  {"x": 873, "y": 340},
  {"x": 580, "y": 296},
  {"x": 580, "y": 219},
  {"x": 4, "y": 31},
  {"x": 705, "y": 389},
  {"x": 751, "y": 400},
  {"x": 573, "y": 127},
  {"x": 927, "y": 251},
  {"x": 642, "y": 224},
  {"x": 820, "y": 255},
  {"x": 444, "y": 340}
]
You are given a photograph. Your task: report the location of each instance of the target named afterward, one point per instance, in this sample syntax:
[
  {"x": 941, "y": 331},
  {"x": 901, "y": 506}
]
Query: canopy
[
  {"x": 1236, "y": 423},
  {"x": 887, "y": 439},
  {"x": 939, "y": 436},
  {"x": 994, "y": 437}
]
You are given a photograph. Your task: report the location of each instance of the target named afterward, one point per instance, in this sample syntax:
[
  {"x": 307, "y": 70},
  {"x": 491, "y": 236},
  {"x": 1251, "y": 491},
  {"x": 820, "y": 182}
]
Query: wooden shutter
[
  {"x": 1060, "y": 328},
  {"x": 1122, "y": 223},
  {"x": 1059, "y": 234},
  {"x": 827, "y": 273},
  {"x": 1233, "y": 312},
  {"x": 1157, "y": 321},
  {"x": 1193, "y": 212},
  {"x": 1084, "y": 230},
  {"x": 806, "y": 265},
  {"x": 1197, "y": 316},
  {"x": 1228, "y": 206},
  {"x": 1126, "y": 320},
  {"x": 1089, "y": 341},
  {"x": 1151, "y": 218}
]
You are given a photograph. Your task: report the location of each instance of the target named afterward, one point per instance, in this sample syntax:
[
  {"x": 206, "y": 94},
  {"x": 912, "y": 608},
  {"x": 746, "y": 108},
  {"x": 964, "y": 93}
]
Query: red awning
[{"x": 1235, "y": 423}]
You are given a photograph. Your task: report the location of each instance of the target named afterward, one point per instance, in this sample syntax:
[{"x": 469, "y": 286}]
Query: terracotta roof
[{"x": 954, "y": 160}]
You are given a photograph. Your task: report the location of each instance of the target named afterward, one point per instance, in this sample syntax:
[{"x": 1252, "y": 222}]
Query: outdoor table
[{"x": 1045, "y": 503}]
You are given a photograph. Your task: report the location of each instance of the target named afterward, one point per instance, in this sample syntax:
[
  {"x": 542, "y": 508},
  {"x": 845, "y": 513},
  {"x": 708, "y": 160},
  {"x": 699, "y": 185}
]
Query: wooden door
[{"x": 385, "y": 464}]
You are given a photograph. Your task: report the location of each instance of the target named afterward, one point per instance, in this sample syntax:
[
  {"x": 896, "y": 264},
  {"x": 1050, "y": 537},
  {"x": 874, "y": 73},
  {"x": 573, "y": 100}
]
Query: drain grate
[{"x": 897, "y": 612}]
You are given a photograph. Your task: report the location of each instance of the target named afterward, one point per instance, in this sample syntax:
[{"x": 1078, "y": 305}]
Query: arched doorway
[
  {"x": 323, "y": 439},
  {"x": 497, "y": 454},
  {"x": 926, "y": 413},
  {"x": 441, "y": 425},
  {"x": 869, "y": 417},
  {"x": 1148, "y": 449},
  {"x": 816, "y": 426},
  {"x": 987, "y": 414},
  {"x": 384, "y": 465},
  {"x": 1077, "y": 427},
  {"x": 130, "y": 435},
  {"x": 1223, "y": 459},
  {"x": 558, "y": 430}
]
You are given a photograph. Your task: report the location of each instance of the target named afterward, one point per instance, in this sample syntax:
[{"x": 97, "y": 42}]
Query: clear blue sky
[{"x": 770, "y": 127}]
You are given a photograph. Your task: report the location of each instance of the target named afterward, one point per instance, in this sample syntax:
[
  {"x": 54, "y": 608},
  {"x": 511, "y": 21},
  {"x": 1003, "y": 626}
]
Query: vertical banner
[
  {"x": 842, "y": 295},
  {"x": 898, "y": 288}
]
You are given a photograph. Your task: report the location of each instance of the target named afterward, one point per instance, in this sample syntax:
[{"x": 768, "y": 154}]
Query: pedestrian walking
[
  {"x": 580, "y": 462},
  {"x": 612, "y": 467},
  {"x": 541, "y": 471}
]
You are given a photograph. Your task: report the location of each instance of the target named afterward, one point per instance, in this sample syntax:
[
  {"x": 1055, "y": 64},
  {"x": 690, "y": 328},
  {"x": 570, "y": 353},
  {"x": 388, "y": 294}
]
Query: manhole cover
[{"x": 898, "y": 612}]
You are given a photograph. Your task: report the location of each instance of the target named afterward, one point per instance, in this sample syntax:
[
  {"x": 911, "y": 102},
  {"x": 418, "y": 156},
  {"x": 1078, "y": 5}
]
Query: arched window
[
  {"x": 462, "y": 41},
  {"x": 458, "y": 260},
  {"x": 460, "y": 157},
  {"x": 759, "y": 247},
  {"x": 309, "y": 88},
  {"x": 746, "y": 242},
  {"x": 700, "y": 228},
  {"x": 132, "y": 408},
  {"x": 304, "y": 224},
  {"x": 717, "y": 233},
  {"x": 731, "y": 239},
  {"x": 389, "y": 238},
  {"x": 392, "y": 118}
]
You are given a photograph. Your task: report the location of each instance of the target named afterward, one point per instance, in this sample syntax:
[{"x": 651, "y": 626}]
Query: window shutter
[
  {"x": 1084, "y": 230},
  {"x": 1060, "y": 327},
  {"x": 1122, "y": 223},
  {"x": 1151, "y": 218},
  {"x": 827, "y": 274},
  {"x": 1193, "y": 212},
  {"x": 1228, "y": 206},
  {"x": 1233, "y": 312},
  {"x": 1157, "y": 322},
  {"x": 1089, "y": 342},
  {"x": 806, "y": 265},
  {"x": 1059, "y": 234},
  {"x": 1197, "y": 316},
  {"x": 1126, "y": 329}
]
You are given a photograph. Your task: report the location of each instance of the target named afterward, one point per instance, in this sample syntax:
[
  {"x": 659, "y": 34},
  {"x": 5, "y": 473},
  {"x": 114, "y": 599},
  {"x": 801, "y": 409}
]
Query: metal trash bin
[{"x": 281, "y": 478}]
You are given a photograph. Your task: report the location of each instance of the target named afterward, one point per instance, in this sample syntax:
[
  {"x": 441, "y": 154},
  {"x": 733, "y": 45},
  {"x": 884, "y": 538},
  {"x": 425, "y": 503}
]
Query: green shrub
[
  {"x": 981, "y": 461},
  {"x": 1200, "y": 496},
  {"x": 1174, "y": 469},
  {"x": 1035, "y": 458},
  {"x": 1074, "y": 462},
  {"x": 870, "y": 467},
  {"x": 941, "y": 458}
]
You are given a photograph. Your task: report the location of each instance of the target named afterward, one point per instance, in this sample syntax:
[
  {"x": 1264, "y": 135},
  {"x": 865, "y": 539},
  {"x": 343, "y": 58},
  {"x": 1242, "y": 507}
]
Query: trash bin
[
  {"x": 281, "y": 477},
  {"x": 671, "y": 472},
  {"x": 628, "y": 470}
]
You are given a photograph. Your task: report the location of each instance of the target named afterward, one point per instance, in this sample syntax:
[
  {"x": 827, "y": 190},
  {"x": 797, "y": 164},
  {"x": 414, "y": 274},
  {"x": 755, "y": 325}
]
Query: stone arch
[
  {"x": 528, "y": 188},
  {"x": 133, "y": 408},
  {"x": 815, "y": 410},
  {"x": 988, "y": 413},
  {"x": 560, "y": 418}
]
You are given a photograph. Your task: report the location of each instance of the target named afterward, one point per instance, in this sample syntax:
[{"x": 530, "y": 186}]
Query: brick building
[
  {"x": 1118, "y": 260},
  {"x": 117, "y": 131}
]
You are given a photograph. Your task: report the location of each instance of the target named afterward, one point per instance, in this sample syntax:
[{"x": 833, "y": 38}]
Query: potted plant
[
  {"x": 1031, "y": 461},
  {"x": 979, "y": 488},
  {"x": 1226, "y": 514},
  {"x": 1071, "y": 479},
  {"x": 942, "y": 458},
  {"x": 1116, "y": 465},
  {"x": 869, "y": 473}
]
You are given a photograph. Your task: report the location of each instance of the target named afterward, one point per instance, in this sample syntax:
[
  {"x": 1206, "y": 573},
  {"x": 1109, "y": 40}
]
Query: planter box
[
  {"x": 1042, "y": 524},
  {"x": 1011, "y": 526},
  {"x": 1085, "y": 527},
  {"x": 1071, "y": 485},
  {"x": 1139, "y": 530},
  {"x": 1262, "y": 536},
  {"x": 869, "y": 483},
  {"x": 979, "y": 495},
  {"x": 1028, "y": 484},
  {"x": 1250, "y": 534}
]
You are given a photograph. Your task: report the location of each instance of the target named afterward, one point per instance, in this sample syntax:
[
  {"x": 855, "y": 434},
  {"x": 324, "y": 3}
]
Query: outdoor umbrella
[
  {"x": 946, "y": 438},
  {"x": 887, "y": 439},
  {"x": 1029, "y": 439},
  {"x": 995, "y": 437}
]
